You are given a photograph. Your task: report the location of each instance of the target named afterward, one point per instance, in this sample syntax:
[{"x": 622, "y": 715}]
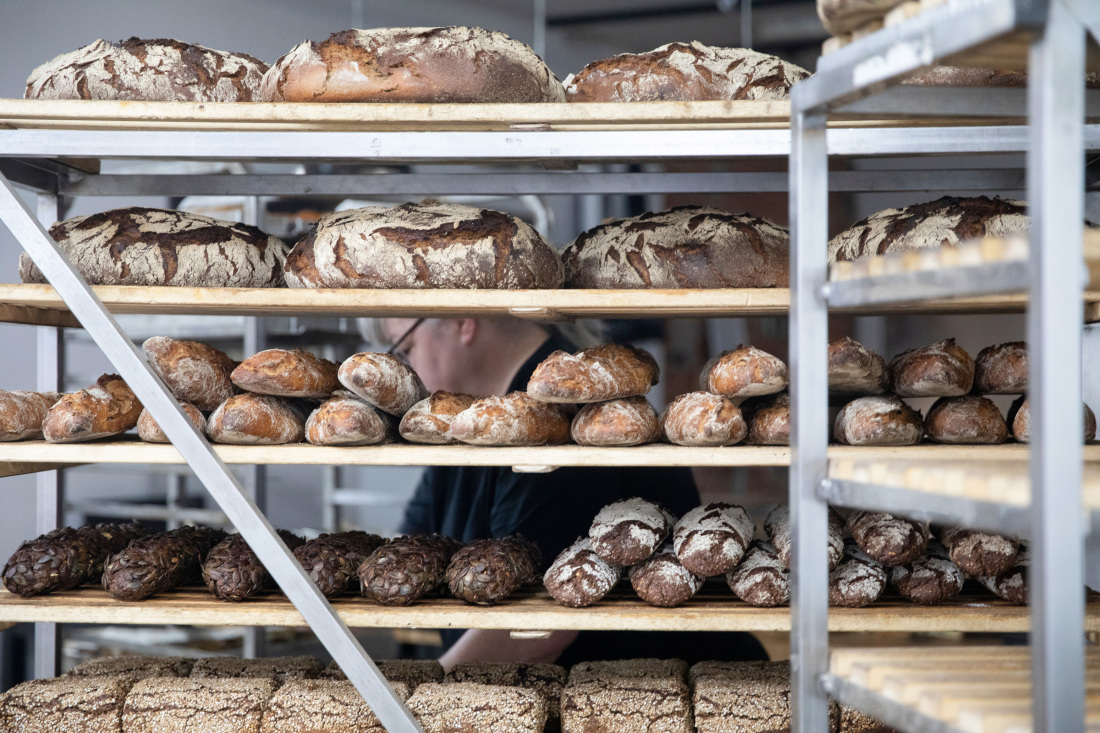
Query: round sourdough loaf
[
  {"x": 744, "y": 372},
  {"x": 109, "y": 407},
  {"x": 625, "y": 421},
  {"x": 150, "y": 431},
  {"x": 382, "y": 380},
  {"x": 429, "y": 420},
  {"x": 980, "y": 553},
  {"x": 424, "y": 245},
  {"x": 684, "y": 247},
  {"x": 287, "y": 373},
  {"x": 889, "y": 539},
  {"x": 966, "y": 420},
  {"x": 711, "y": 539},
  {"x": 1011, "y": 584},
  {"x": 769, "y": 419},
  {"x": 930, "y": 579},
  {"x": 1019, "y": 420},
  {"x": 702, "y": 419},
  {"x": 685, "y": 72},
  {"x": 855, "y": 369},
  {"x": 660, "y": 579},
  {"x": 140, "y": 246},
  {"x": 456, "y": 64},
  {"x": 878, "y": 420},
  {"x": 943, "y": 369},
  {"x": 344, "y": 419},
  {"x": 1001, "y": 369},
  {"x": 515, "y": 419},
  {"x": 158, "y": 70},
  {"x": 857, "y": 581},
  {"x": 761, "y": 579},
  {"x": 193, "y": 371},
  {"x": 255, "y": 419}
]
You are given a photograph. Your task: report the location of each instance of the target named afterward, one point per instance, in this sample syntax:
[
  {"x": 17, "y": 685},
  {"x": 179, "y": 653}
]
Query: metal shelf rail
[{"x": 1049, "y": 35}]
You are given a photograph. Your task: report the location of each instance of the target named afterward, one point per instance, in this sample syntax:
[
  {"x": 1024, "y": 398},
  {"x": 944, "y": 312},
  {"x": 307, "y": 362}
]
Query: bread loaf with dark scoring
[
  {"x": 889, "y": 539},
  {"x": 1019, "y": 420},
  {"x": 769, "y": 419}
]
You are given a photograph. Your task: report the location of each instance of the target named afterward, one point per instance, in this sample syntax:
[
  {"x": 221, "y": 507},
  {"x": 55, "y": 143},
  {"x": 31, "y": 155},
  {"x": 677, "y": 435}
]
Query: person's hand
[{"x": 497, "y": 645}]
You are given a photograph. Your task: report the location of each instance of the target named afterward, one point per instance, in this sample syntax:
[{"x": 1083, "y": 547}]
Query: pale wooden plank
[{"x": 10, "y": 468}]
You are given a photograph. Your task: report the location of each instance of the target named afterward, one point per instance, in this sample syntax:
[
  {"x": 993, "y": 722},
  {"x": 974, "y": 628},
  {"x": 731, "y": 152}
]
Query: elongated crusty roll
[
  {"x": 626, "y": 421},
  {"x": 382, "y": 380},
  {"x": 514, "y": 419},
  {"x": 855, "y": 369},
  {"x": 254, "y": 419},
  {"x": 702, "y": 419},
  {"x": 22, "y": 413},
  {"x": 711, "y": 539},
  {"x": 661, "y": 580},
  {"x": 778, "y": 527},
  {"x": 965, "y": 420},
  {"x": 1019, "y": 419},
  {"x": 744, "y": 372},
  {"x": 889, "y": 539},
  {"x": 942, "y": 369},
  {"x": 149, "y": 430},
  {"x": 878, "y": 420},
  {"x": 1001, "y": 369},
  {"x": 429, "y": 421},
  {"x": 769, "y": 419},
  {"x": 108, "y": 407},
  {"x": 344, "y": 419},
  {"x": 980, "y": 553},
  {"x": 595, "y": 374},
  {"x": 579, "y": 577},
  {"x": 286, "y": 373},
  {"x": 628, "y": 531},
  {"x": 930, "y": 579},
  {"x": 761, "y": 579},
  {"x": 194, "y": 372},
  {"x": 858, "y": 580}
]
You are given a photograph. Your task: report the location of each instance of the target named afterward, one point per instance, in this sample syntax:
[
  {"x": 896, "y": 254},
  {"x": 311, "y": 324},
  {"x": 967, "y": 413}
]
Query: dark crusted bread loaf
[
  {"x": 287, "y": 373},
  {"x": 156, "y": 563},
  {"x": 685, "y": 247},
  {"x": 22, "y": 413},
  {"x": 405, "y": 569},
  {"x": 1010, "y": 584},
  {"x": 930, "y": 579},
  {"x": 62, "y": 704},
  {"x": 149, "y": 430},
  {"x": 888, "y": 539},
  {"x": 65, "y": 557},
  {"x": 744, "y": 372},
  {"x": 140, "y": 246},
  {"x": 1001, "y": 369},
  {"x": 980, "y": 553},
  {"x": 945, "y": 221},
  {"x": 579, "y": 577},
  {"x": 711, "y": 539},
  {"x": 347, "y": 420},
  {"x": 961, "y": 76},
  {"x": 1019, "y": 420},
  {"x": 616, "y": 704},
  {"x": 424, "y": 245},
  {"x": 256, "y": 419},
  {"x": 761, "y": 579},
  {"x": 514, "y": 419},
  {"x": 456, "y": 64},
  {"x": 625, "y": 421},
  {"x": 467, "y": 707},
  {"x": 631, "y": 669},
  {"x": 232, "y": 571},
  {"x": 878, "y": 420},
  {"x": 158, "y": 70},
  {"x": 661, "y": 580},
  {"x": 109, "y": 407},
  {"x": 769, "y": 419},
  {"x": 942, "y": 369},
  {"x": 702, "y": 419},
  {"x": 969, "y": 419},
  {"x": 854, "y": 369},
  {"x": 193, "y": 371},
  {"x": 332, "y": 560},
  {"x": 171, "y": 705},
  {"x": 429, "y": 420},
  {"x": 411, "y": 672},
  {"x": 488, "y": 571},
  {"x": 280, "y": 669},
  {"x": 323, "y": 705},
  {"x": 685, "y": 72},
  {"x": 777, "y": 525},
  {"x": 137, "y": 666},
  {"x": 858, "y": 580},
  {"x": 383, "y": 380},
  {"x": 628, "y": 531},
  {"x": 594, "y": 374}
]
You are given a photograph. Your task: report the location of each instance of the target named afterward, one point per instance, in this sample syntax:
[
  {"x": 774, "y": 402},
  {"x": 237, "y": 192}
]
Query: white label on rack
[{"x": 900, "y": 57}]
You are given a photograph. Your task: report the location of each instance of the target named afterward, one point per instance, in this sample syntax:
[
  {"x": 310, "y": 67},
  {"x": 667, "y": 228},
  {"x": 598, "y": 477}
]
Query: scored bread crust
[
  {"x": 286, "y": 373},
  {"x": 969, "y": 419},
  {"x": 1001, "y": 369},
  {"x": 702, "y": 419},
  {"x": 769, "y": 419},
  {"x": 514, "y": 419},
  {"x": 744, "y": 372},
  {"x": 625, "y": 421},
  {"x": 594, "y": 374},
  {"x": 930, "y": 579},
  {"x": 628, "y": 531},
  {"x": 158, "y": 69},
  {"x": 22, "y": 413},
  {"x": 344, "y": 419},
  {"x": 761, "y": 579},
  {"x": 254, "y": 419},
  {"x": 711, "y": 539},
  {"x": 878, "y": 420},
  {"x": 429, "y": 421},
  {"x": 980, "y": 553},
  {"x": 684, "y": 247},
  {"x": 383, "y": 380},
  {"x": 855, "y": 369},
  {"x": 451, "y": 64},
  {"x": 423, "y": 245},
  {"x": 150, "y": 431},
  {"x": 662, "y": 580},
  {"x": 108, "y": 407},
  {"x": 579, "y": 577},
  {"x": 685, "y": 72},
  {"x": 888, "y": 539},
  {"x": 193, "y": 371},
  {"x": 942, "y": 369}
]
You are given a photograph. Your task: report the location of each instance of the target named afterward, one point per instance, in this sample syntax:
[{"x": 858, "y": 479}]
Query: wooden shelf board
[{"x": 714, "y": 609}]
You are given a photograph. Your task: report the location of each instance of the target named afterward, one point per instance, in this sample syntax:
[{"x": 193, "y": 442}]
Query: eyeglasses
[{"x": 403, "y": 355}]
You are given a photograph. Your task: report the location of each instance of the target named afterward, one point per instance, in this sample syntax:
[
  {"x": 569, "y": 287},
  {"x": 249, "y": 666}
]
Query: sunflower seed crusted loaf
[
  {"x": 141, "y": 246},
  {"x": 424, "y": 245},
  {"x": 233, "y": 572},
  {"x": 287, "y": 373},
  {"x": 429, "y": 421},
  {"x": 628, "y": 531},
  {"x": 661, "y": 580},
  {"x": 685, "y": 247},
  {"x": 516, "y": 418},
  {"x": 64, "y": 704},
  {"x": 622, "y": 422},
  {"x": 888, "y": 539},
  {"x": 383, "y": 380},
  {"x": 627, "y": 705},
  {"x": 487, "y": 571},
  {"x": 744, "y": 372},
  {"x": 65, "y": 558},
  {"x": 158, "y": 562},
  {"x": 137, "y": 666},
  {"x": 1001, "y": 369},
  {"x": 930, "y": 579},
  {"x": 579, "y": 577},
  {"x": 545, "y": 679},
  {"x": 466, "y": 707},
  {"x": 150, "y": 431},
  {"x": 702, "y": 419},
  {"x": 323, "y": 705},
  {"x": 761, "y": 579},
  {"x": 969, "y": 419},
  {"x": 855, "y": 369},
  {"x": 109, "y": 407},
  {"x": 344, "y": 419},
  {"x": 980, "y": 553},
  {"x": 332, "y": 560},
  {"x": 711, "y": 539},
  {"x": 858, "y": 580},
  {"x": 22, "y": 413},
  {"x": 1010, "y": 584},
  {"x": 256, "y": 419},
  {"x": 173, "y": 705},
  {"x": 777, "y": 525},
  {"x": 943, "y": 369},
  {"x": 878, "y": 420},
  {"x": 161, "y": 70},
  {"x": 595, "y": 374},
  {"x": 279, "y": 669},
  {"x": 404, "y": 570},
  {"x": 193, "y": 371}
]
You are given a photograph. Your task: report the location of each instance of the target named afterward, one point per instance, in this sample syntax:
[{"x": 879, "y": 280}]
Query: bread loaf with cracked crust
[
  {"x": 662, "y": 580},
  {"x": 980, "y": 553},
  {"x": 142, "y": 246},
  {"x": 930, "y": 579},
  {"x": 761, "y": 579},
  {"x": 545, "y": 679},
  {"x": 1019, "y": 420},
  {"x": 777, "y": 525},
  {"x": 256, "y": 419},
  {"x": 323, "y": 705},
  {"x": 702, "y": 419},
  {"x": 889, "y": 539},
  {"x": 854, "y": 369},
  {"x": 151, "y": 70},
  {"x": 966, "y": 420},
  {"x": 22, "y": 413},
  {"x": 1011, "y": 584},
  {"x": 595, "y": 374},
  {"x": 744, "y": 372},
  {"x": 878, "y": 420},
  {"x": 193, "y": 371},
  {"x": 1001, "y": 369},
  {"x": 150, "y": 431},
  {"x": 625, "y": 421},
  {"x": 425, "y": 65},
  {"x": 109, "y": 407},
  {"x": 579, "y": 577},
  {"x": 685, "y": 72},
  {"x": 613, "y": 704},
  {"x": 711, "y": 539},
  {"x": 684, "y": 247},
  {"x": 429, "y": 420},
  {"x": 344, "y": 419},
  {"x": 423, "y": 245},
  {"x": 287, "y": 373},
  {"x": 628, "y": 531},
  {"x": 382, "y": 380},
  {"x": 858, "y": 580},
  {"x": 769, "y": 419},
  {"x": 174, "y": 704},
  {"x": 942, "y": 369},
  {"x": 69, "y": 703},
  {"x": 515, "y": 419},
  {"x": 467, "y": 707}
]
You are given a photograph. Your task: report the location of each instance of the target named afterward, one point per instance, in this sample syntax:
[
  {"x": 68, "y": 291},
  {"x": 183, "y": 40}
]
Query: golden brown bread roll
[
  {"x": 744, "y": 372},
  {"x": 344, "y": 419},
  {"x": 22, "y": 413},
  {"x": 515, "y": 419},
  {"x": 429, "y": 421},
  {"x": 878, "y": 420},
  {"x": 969, "y": 420},
  {"x": 382, "y": 380},
  {"x": 702, "y": 419},
  {"x": 254, "y": 419},
  {"x": 1019, "y": 420},
  {"x": 287, "y": 373},
  {"x": 626, "y": 421},
  {"x": 149, "y": 430},
  {"x": 943, "y": 369},
  {"x": 595, "y": 374},
  {"x": 1001, "y": 369},
  {"x": 769, "y": 419},
  {"x": 193, "y": 371},
  {"x": 109, "y": 407}
]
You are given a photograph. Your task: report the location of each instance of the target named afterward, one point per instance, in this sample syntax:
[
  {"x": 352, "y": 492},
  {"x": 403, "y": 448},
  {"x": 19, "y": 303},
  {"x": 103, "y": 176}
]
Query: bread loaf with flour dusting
[
  {"x": 22, "y": 413},
  {"x": 579, "y": 577},
  {"x": 383, "y": 380},
  {"x": 429, "y": 421},
  {"x": 108, "y": 407},
  {"x": 595, "y": 374},
  {"x": 194, "y": 372},
  {"x": 626, "y": 421},
  {"x": 711, "y": 539},
  {"x": 703, "y": 419},
  {"x": 878, "y": 420},
  {"x": 515, "y": 419}
]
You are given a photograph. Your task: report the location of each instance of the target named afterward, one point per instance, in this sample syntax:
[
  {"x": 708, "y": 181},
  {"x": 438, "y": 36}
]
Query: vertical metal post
[
  {"x": 746, "y": 23},
  {"x": 809, "y": 325},
  {"x": 539, "y": 37},
  {"x": 1055, "y": 170}
]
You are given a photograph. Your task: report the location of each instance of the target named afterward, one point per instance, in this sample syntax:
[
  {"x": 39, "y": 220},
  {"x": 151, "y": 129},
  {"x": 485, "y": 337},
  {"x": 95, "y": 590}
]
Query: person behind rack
[{"x": 485, "y": 356}]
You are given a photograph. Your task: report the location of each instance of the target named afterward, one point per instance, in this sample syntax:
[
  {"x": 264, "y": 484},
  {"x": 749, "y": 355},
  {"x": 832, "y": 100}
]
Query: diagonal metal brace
[
  {"x": 1087, "y": 13},
  {"x": 200, "y": 456}
]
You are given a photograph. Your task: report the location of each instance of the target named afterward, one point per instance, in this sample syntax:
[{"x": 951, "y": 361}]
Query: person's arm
[{"x": 497, "y": 645}]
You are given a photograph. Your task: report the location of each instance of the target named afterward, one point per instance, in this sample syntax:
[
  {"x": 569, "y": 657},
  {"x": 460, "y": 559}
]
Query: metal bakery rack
[{"x": 53, "y": 148}]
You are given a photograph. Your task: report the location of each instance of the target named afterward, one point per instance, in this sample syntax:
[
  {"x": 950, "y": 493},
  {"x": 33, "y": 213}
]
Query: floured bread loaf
[
  {"x": 150, "y": 431},
  {"x": 429, "y": 421},
  {"x": 424, "y": 245},
  {"x": 287, "y": 373},
  {"x": 193, "y": 371},
  {"x": 769, "y": 419},
  {"x": 761, "y": 579},
  {"x": 626, "y": 421},
  {"x": 702, "y": 419},
  {"x": 628, "y": 531},
  {"x": 685, "y": 247},
  {"x": 711, "y": 539},
  {"x": 685, "y": 72},
  {"x": 141, "y": 246},
  {"x": 661, "y": 580},
  {"x": 255, "y": 419},
  {"x": 159, "y": 70},
  {"x": 889, "y": 539},
  {"x": 579, "y": 577},
  {"x": 515, "y": 419},
  {"x": 383, "y": 380},
  {"x": 930, "y": 579},
  {"x": 980, "y": 553},
  {"x": 1010, "y": 584},
  {"x": 455, "y": 64},
  {"x": 857, "y": 581},
  {"x": 878, "y": 420},
  {"x": 744, "y": 372},
  {"x": 969, "y": 420},
  {"x": 344, "y": 419},
  {"x": 595, "y": 374},
  {"x": 22, "y": 413},
  {"x": 109, "y": 407},
  {"x": 1001, "y": 369},
  {"x": 943, "y": 369},
  {"x": 777, "y": 525},
  {"x": 1019, "y": 420},
  {"x": 854, "y": 369}
]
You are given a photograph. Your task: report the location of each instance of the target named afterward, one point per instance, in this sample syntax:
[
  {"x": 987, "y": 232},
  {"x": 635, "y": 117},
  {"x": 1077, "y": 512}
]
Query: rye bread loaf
[
  {"x": 149, "y": 430},
  {"x": 980, "y": 553},
  {"x": 761, "y": 579},
  {"x": 744, "y": 372},
  {"x": 109, "y": 407},
  {"x": 1010, "y": 584},
  {"x": 22, "y": 413},
  {"x": 410, "y": 672},
  {"x": 615, "y": 704},
  {"x": 287, "y": 373},
  {"x": 175, "y": 705},
  {"x": 344, "y": 419},
  {"x": 685, "y": 72},
  {"x": 930, "y": 579},
  {"x": 429, "y": 420},
  {"x": 702, "y": 419},
  {"x": 151, "y": 70},
  {"x": 777, "y": 525},
  {"x": 711, "y": 539},
  {"x": 545, "y": 679},
  {"x": 769, "y": 419},
  {"x": 194, "y": 372},
  {"x": 942, "y": 369},
  {"x": 467, "y": 707},
  {"x": 323, "y": 705},
  {"x": 594, "y": 374},
  {"x": 627, "y": 669},
  {"x": 1001, "y": 369},
  {"x": 968, "y": 420},
  {"x": 878, "y": 420},
  {"x": 684, "y": 247},
  {"x": 254, "y": 419},
  {"x": 844, "y": 16},
  {"x": 141, "y": 246},
  {"x": 1019, "y": 420},
  {"x": 628, "y": 531},
  {"x": 856, "y": 370},
  {"x": 137, "y": 666},
  {"x": 423, "y": 245},
  {"x": 383, "y": 380},
  {"x": 515, "y": 419},
  {"x": 69, "y": 703},
  {"x": 625, "y": 421},
  {"x": 858, "y": 580},
  {"x": 889, "y": 539},
  {"x": 455, "y": 64},
  {"x": 280, "y": 669},
  {"x": 579, "y": 577},
  {"x": 739, "y": 697},
  {"x": 945, "y": 221},
  {"x": 661, "y": 580}
]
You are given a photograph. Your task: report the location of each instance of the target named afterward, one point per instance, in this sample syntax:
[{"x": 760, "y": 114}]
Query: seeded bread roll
[
  {"x": 660, "y": 579},
  {"x": 382, "y": 380},
  {"x": 980, "y": 553},
  {"x": 626, "y": 421},
  {"x": 854, "y": 369},
  {"x": 109, "y": 407},
  {"x": 332, "y": 560},
  {"x": 702, "y": 419},
  {"x": 966, "y": 420},
  {"x": 466, "y": 707},
  {"x": 136, "y": 666},
  {"x": 22, "y": 413},
  {"x": 685, "y": 72},
  {"x": 888, "y": 539},
  {"x": 1001, "y": 369},
  {"x": 62, "y": 704},
  {"x": 858, "y": 580},
  {"x": 940, "y": 370},
  {"x": 254, "y": 419},
  {"x": 878, "y": 420},
  {"x": 684, "y": 247},
  {"x": 514, "y": 419},
  {"x": 595, "y": 374},
  {"x": 1010, "y": 584},
  {"x": 545, "y": 679},
  {"x": 778, "y": 527},
  {"x": 628, "y": 531},
  {"x": 173, "y": 705},
  {"x": 579, "y": 577},
  {"x": 150, "y": 431},
  {"x": 141, "y": 246},
  {"x": 769, "y": 419},
  {"x": 347, "y": 420},
  {"x": 323, "y": 705},
  {"x": 279, "y": 669},
  {"x": 424, "y": 245},
  {"x": 744, "y": 372},
  {"x": 287, "y": 373},
  {"x": 152, "y": 70},
  {"x": 761, "y": 579},
  {"x": 1019, "y": 419},
  {"x": 711, "y": 539},
  {"x": 456, "y": 64},
  {"x": 194, "y": 372},
  {"x": 429, "y": 421},
  {"x": 930, "y": 579},
  {"x": 627, "y": 705}
]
